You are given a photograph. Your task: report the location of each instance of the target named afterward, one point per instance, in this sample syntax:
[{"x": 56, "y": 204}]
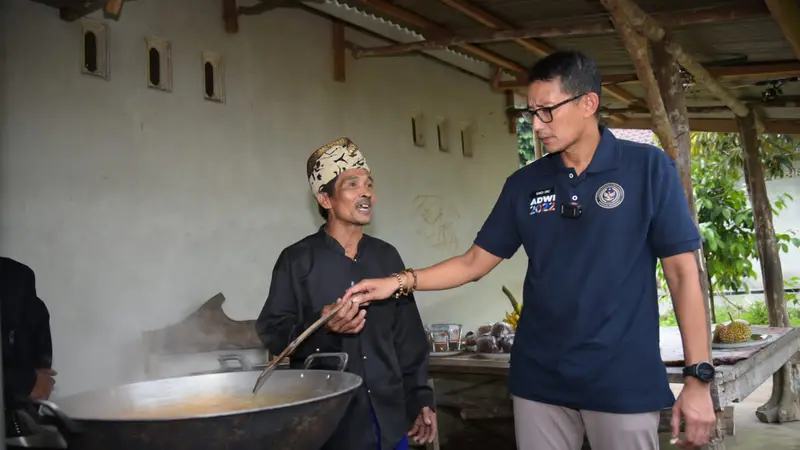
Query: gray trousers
[{"x": 540, "y": 426}]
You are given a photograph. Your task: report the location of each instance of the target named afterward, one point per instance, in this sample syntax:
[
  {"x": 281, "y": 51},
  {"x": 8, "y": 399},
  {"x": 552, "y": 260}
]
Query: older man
[
  {"x": 390, "y": 351},
  {"x": 594, "y": 216}
]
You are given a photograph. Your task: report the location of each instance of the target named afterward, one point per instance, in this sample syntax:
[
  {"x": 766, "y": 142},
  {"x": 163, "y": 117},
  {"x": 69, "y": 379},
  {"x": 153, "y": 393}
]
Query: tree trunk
[
  {"x": 783, "y": 405},
  {"x": 665, "y": 68}
]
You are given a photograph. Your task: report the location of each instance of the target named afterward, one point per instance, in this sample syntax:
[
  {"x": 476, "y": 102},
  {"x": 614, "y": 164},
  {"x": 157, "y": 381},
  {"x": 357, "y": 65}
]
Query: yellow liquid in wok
[{"x": 208, "y": 404}]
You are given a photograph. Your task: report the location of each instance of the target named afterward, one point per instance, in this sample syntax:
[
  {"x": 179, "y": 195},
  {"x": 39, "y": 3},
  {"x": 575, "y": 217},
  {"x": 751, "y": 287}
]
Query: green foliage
[
  {"x": 755, "y": 314},
  {"x": 793, "y": 284},
  {"x": 525, "y": 142},
  {"x": 723, "y": 211}
]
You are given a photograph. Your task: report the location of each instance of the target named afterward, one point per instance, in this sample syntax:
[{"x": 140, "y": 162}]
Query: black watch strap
[{"x": 703, "y": 371}]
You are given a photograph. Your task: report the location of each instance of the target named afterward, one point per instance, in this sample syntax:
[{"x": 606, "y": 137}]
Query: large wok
[{"x": 109, "y": 420}]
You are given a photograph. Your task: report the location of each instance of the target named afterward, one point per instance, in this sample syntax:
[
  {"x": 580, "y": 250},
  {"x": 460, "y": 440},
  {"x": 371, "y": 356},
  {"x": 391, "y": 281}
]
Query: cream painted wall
[{"x": 134, "y": 206}]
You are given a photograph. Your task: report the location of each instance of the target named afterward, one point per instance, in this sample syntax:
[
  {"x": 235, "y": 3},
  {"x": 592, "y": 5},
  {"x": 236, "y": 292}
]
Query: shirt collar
[
  {"x": 606, "y": 157},
  {"x": 334, "y": 245}
]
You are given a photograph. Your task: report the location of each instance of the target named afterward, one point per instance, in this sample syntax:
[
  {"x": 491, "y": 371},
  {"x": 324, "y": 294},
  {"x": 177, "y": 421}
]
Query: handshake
[{"x": 350, "y": 319}]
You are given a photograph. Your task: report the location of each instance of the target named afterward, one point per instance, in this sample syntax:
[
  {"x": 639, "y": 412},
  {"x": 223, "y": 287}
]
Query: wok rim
[{"x": 359, "y": 382}]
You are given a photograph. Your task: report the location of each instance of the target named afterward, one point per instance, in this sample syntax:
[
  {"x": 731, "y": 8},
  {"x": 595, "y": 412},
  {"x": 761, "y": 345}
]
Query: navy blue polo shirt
[{"x": 588, "y": 335}]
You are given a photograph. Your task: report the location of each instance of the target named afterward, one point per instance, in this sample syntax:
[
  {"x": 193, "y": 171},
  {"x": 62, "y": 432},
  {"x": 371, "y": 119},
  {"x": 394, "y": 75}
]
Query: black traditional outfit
[{"x": 390, "y": 353}]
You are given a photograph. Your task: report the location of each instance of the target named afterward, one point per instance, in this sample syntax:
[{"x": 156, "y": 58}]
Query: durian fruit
[
  {"x": 735, "y": 332},
  {"x": 717, "y": 331}
]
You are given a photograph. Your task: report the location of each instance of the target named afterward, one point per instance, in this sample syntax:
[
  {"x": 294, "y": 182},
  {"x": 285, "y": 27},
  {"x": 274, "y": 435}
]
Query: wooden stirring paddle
[{"x": 293, "y": 345}]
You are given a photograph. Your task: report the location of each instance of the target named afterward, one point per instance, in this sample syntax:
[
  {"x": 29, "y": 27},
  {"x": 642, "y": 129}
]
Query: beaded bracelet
[
  {"x": 414, "y": 284},
  {"x": 399, "y": 291},
  {"x": 403, "y": 289}
]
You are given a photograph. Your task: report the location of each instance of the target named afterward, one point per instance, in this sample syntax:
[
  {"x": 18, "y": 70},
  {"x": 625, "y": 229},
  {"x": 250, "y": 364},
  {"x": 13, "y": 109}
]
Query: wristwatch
[{"x": 703, "y": 371}]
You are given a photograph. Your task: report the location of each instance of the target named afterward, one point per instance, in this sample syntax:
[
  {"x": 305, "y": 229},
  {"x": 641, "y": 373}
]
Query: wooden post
[
  {"x": 230, "y": 16},
  {"x": 339, "y": 56},
  {"x": 538, "y": 146},
  {"x": 783, "y": 405},
  {"x": 637, "y": 49},
  {"x": 670, "y": 86}
]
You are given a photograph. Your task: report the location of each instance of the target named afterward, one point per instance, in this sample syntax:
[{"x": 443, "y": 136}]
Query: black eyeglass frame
[{"x": 528, "y": 114}]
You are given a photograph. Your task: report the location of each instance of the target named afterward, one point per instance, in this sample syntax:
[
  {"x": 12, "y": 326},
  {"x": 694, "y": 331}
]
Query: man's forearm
[
  {"x": 687, "y": 299},
  {"x": 456, "y": 271}
]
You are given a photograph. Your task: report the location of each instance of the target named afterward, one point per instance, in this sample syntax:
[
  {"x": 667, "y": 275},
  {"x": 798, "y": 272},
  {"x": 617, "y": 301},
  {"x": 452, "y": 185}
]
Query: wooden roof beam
[
  {"x": 426, "y": 25},
  {"x": 588, "y": 25},
  {"x": 766, "y": 70},
  {"x": 656, "y": 33},
  {"x": 781, "y": 126},
  {"x": 538, "y": 48},
  {"x": 787, "y": 14}
]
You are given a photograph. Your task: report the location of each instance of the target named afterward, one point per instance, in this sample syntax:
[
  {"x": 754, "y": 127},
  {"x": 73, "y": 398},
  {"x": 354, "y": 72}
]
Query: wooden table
[{"x": 472, "y": 388}]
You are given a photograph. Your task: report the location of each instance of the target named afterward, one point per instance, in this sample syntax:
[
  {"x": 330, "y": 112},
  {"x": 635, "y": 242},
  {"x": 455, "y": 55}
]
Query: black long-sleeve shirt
[
  {"x": 390, "y": 353},
  {"x": 26, "y": 339}
]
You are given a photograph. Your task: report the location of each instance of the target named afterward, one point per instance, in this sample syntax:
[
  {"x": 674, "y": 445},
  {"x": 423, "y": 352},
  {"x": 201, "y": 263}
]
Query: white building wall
[{"x": 134, "y": 205}]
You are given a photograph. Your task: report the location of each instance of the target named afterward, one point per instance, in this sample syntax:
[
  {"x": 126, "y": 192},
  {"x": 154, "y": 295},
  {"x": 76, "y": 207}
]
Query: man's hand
[
  {"x": 424, "y": 429},
  {"x": 348, "y": 319},
  {"x": 374, "y": 289},
  {"x": 44, "y": 384},
  {"x": 695, "y": 407}
]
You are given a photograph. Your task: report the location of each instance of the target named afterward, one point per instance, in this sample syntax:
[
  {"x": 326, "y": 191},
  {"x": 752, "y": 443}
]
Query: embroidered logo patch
[
  {"x": 610, "y": 195},
  {"x": 543, "y": 201}
]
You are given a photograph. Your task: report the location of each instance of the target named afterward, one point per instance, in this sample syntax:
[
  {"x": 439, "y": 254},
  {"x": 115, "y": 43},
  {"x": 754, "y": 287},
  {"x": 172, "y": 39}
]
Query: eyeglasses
[{"x": 545, "y": 113}]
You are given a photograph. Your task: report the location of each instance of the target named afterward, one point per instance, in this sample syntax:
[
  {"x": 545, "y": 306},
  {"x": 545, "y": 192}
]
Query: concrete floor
[{"x": 752, "y": 434}]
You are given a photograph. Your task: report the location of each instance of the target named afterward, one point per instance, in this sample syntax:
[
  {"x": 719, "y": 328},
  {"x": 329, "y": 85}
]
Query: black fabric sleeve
[{"x": 286, "y": 313}]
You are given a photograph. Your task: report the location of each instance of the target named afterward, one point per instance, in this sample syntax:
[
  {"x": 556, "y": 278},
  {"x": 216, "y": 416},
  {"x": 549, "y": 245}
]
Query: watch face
[{"x": 705, "y": 371}]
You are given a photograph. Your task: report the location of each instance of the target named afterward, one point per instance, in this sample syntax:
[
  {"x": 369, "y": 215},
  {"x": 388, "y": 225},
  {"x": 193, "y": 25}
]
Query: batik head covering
[{"x": 333, "y": 158}]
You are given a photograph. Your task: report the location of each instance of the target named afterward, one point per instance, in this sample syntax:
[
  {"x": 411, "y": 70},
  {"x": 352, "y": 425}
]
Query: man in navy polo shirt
[{"x": 594, "y": 216}]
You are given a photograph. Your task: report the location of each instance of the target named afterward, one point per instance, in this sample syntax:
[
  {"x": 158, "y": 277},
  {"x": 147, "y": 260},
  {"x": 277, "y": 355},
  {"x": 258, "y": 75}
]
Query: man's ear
[
  {"x": 591, "y": 104},
  {"x": 324, "y": 200}
]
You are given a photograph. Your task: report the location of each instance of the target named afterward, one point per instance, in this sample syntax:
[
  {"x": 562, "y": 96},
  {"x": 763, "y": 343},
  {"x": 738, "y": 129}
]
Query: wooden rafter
[
  {"x": 538, "y": 48},
  {"x": 787, "y": 14},
  {"x": 534, "y": 46},
  {"x": 588, "y": 25},
  {"x": 788, "y": 101},
  {"x": 352, "y": 47},
  {"x": 268, "y": 5},
  {"x": 782, "y": 126},
  {"x": 427, "y": 26},
  {"x": 656, "y": 33},
  {"x": 759, "y": 71},
  {"x": 637, "y": 49}
]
